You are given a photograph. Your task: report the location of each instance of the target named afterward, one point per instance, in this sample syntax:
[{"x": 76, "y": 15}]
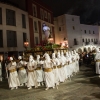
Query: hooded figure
[
  {"x": 55, "y": 69},
  {"x": 77, "y": 61},
  {"x": 48, "y": 72},
  {"x": 97, "y": 59},
  {"x": 60, "y": 64},
  {"x": 31, "y": 73},
  {"x": 13, "y": 79},
  {"x": 39, "y": 71},
  {"x": 22, "y": 71}
]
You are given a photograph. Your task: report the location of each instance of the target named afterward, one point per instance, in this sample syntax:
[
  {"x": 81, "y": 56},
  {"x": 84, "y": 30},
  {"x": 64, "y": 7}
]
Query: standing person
[
  {"x": 22, "y": 71},
  {"x": 1, "y": 59},
  {"x": 97, "y": 59},
  {"x": 60, "y": 64},
  {"x": 39, "y": 71},
  {"x": 48, "y": 72},
  {"x": 31, "y": 73},
  {"x": 13, "y": 79},
  {"x": 55, "y": 69},
  {"x": 0, "y": 70}
]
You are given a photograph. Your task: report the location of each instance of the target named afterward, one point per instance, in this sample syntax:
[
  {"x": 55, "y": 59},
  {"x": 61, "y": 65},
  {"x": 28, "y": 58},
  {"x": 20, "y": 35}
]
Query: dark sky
[{"x": 88, "y": 10}]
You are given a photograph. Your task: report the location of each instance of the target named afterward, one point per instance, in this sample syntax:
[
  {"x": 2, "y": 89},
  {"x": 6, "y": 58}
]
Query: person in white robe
[
  {"x": 48, "y": 72},
  {"x": 60, "y": 64},
  {"x": 22, "y": 71},
  {"x": 70, "y": 63},
  {"x": 31, "y": 73},
  {"x": 97, "y": 60},
  {"x": 63, "y": 65},
  {"x": 74, "y": 62},
  {"x": 0, "y": 70},
  {"x": 55, "y": 70},
  {"x": 39, "y": 71},
  {"x": 77, "y": 61},
  {"x": 13, "y": 79}
]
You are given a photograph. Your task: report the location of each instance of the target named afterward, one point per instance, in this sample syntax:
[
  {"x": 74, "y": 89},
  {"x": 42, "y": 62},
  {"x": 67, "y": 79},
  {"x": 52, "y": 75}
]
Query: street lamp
[
  {"x": 65, "y": 41},
  {"x": 26, "y": 44},
  {"x": 50, "y": 39}
]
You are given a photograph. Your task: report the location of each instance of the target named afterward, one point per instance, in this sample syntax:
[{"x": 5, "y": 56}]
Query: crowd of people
[{"x": 48, "y": 71}]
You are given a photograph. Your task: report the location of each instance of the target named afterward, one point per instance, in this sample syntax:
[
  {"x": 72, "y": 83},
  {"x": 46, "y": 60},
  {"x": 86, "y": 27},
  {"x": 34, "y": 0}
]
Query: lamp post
[
  {"x": 50, "y": 39},
  {"x": 65, "y": 41},
  {"x": 26, "y": 44}
]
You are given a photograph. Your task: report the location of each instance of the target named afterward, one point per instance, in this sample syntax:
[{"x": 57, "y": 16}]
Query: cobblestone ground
[{"x": 83, "y": 86}]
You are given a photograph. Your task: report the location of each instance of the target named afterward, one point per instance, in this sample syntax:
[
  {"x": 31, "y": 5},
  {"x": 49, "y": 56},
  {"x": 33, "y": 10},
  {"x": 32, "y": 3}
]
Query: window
[
  {"x": 11, "y": 39},
  {"x": 75, "y": 42},
  {"x": 91, "y": 40},
  {"x": 59, "y": 28},
  {"x": 1, "y": 38},
  {"x": 35, "y": 26},
  {"x": 42, "y": 14},
  {"x": 42, "y": 28},
  {"x": 93, "y": 32},
  {"x": 72, "y": 19},
  {"x": 24, "y": 37},
  {"x": 0, "y": 15},
  {"x": 83, "y": 40},
  {"x": 34, "y": 11},
  {"x": 23, "y": 21},
  {"x": 50, "y": 29},
  {"x": 88, "y": 40},
  {"x": 36, "y": 40},
  {"x": 84, "y": 31},
  {"x": 89, "y": 32},
  {"x": 94, "y": 40},
  {"x": 10, "y": 17},
  {"x": 45, "y": 14},
  {"x": 73, "y": 28},
  {"x": 49, "y": 17}
]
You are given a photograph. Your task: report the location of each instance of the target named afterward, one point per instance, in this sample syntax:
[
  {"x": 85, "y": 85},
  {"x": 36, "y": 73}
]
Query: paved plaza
[{"x": 83, "y": 86}]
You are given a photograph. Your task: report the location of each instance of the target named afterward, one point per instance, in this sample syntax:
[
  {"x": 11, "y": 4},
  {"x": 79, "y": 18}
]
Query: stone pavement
[{"x": 83, "y": 86}]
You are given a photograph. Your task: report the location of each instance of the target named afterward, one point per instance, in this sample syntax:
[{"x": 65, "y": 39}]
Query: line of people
[{"x": 44, "y": 70}]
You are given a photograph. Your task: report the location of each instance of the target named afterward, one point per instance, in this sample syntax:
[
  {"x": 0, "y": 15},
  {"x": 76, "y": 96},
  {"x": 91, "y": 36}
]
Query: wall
[{"x": 18, "y": 28}]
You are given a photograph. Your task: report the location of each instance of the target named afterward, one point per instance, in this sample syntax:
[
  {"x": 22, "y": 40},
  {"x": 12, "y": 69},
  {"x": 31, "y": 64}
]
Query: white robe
[
  {"x": 13, "y": 79},
  {"x": 31, "y": 75},
  {"x": 39, "y": 73},
  {"x": 97, "y": 57},
  {"x": 55, "y": 71},
  {"x": 22, "y": 73},
  {"x": 0, "y": 72},
  {"x": 48, "y": 76}
]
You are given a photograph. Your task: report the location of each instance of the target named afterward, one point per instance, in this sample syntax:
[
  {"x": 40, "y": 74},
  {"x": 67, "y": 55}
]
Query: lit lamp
[
  {"x": 26, "y": 44},
  {"x": 65, "y": 42},
  {"x": 50, "y": 39}
]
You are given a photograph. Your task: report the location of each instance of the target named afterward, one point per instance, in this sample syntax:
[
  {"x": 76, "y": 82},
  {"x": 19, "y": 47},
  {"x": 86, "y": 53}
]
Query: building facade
[
  {"x": 14, "y": 29},
  {"x": 90, "y": 34},
  {"x": 39, "y": 14},
  {"x": 68, "y": 26},
  {"x": 78, "y": 35}
]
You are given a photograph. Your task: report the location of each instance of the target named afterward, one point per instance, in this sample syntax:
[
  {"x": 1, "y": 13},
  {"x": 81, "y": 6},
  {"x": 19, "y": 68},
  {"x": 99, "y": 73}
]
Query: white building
[
  {"x": 68, "y": 26},
  {"x": 90, "y": 34},
  {"x": 78, "y": 35},
  {"x": 14, "y": 29}
]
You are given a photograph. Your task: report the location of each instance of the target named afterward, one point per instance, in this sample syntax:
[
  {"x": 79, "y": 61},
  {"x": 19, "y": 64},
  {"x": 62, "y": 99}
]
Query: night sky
[{"x": 88, "y": 10}]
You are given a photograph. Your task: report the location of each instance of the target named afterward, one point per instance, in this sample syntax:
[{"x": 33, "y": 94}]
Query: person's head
[
  {"x": 53, "y": 55},
  {"x": 38, "y": 57},
  {"x": 30, "y": 58},
  {"x": 19, "y": 57},
  {"x": 11, "y": 58}
]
